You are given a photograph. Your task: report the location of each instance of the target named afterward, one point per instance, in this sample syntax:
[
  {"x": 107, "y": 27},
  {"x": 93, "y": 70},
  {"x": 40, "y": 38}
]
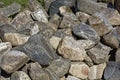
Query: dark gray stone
[
  {"x": 10, "y": 10},
  {"x": 99, "y": 54},
  {"x": 89, "y": 6},
  {"x": 39, "y": 49},
  {"x": 86, "y": 32},
  {"x": 55, "y": 5},
  {"x": 112, "y": 71},
  {"x": 60, "y": 66},
  {"x": 117, "y": 55}
]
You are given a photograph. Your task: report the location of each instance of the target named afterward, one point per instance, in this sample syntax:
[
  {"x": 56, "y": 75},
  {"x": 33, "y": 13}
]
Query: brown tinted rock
[
  {"x": 22, "y": 19},
  {"x": 83, "y": 17},
  {"x": 63, "y": 78},
  {"x": 13, "y": 60},
  {"x": 100, "y": 24},
  {"x": 117, "y": 55},
  {"x": 96, "y": 71},
  {"x": 79, "y": 69},
  {"x": 19, "y": 75},
  {"x": 54, "y": 41},
  {"x": 10, "y": 9},
  {"x": 99, "y": 53},
  {"x": 16, "y": 38},
  {"x": 70, "y": 49},
  {"x": 3, "y": 20}
]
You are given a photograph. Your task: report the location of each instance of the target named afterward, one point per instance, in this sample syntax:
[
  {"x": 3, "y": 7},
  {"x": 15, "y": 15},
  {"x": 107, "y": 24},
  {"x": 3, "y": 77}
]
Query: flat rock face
[
  {"x": 13, "y": 60},
  {"x": 72, "y": 78},
  {"x": 96, "y": 71},
  {"x": 39, "y": 49},
  {"x": 69, "y": 49},
  {"x": 112, "y": 71},
  {"x": 99, "y": 53},
  {"x": 79, "y": 69},
  {"x": 89, "y": 6},
  {"x": 86, "y": 32},
  {"x": 60, "y": 66},
  {"x": 100, "y": 24},
  {"x": 19, "y": 75},
  {"x": 22, "y": 19},
  {"x": 10, "y": 10},
  {"x": 3, "y": 20}
]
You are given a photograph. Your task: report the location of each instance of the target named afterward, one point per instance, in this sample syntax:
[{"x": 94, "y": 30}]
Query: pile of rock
[{"x": 68, "y": 40}]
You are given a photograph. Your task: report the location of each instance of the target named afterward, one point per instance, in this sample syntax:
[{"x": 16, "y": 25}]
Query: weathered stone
[
  {"x": 117, "y": 55},
  {"x": 99, "y": 53},
  {"x": 70, "y": 49},
  {"x": 83, "y": 17},
  {"x": 100, "y": 24},
  {"x": 55, "y": 5},
  {"x": 3, "y": 20},
  {"x": 110, "y": 40},
  {"x": 38, "y": 49},
  {"x": 47, "y": 4},
  {"x": 60, "y": 66},
  {"x": 89, "y": 6},
  {"x": 54, "y": 22},
  {"x": 117, "y": 5},
  {"x": 47, "y": 32},
  {"x": 112, "y": 15},
  {"x": 54, "y": 41},
  {"x": 19, "y": 75},
  {"x": 79, "y": 69},
  {"x": 112, "y": 71},
  {"x": 96, "y": 71},
  {"x": 63, "y": 32},
  {"x": 16, "y": 38},
  {"x": 88, "y": 61},
  {"x": 39, "y": 16},
  {"x": 13, "y": 60},
  {"x": 72, "y": 78},
  {"x": 22, "y": 19},
  {"x": 38, "y": 73},
  {"x": 86, "y": 32},
  {"x": 30, "y": 28},
  {"x": 10, "y": 9},
  {"x": 3, "y": 78},
  {"x": 4, "y": 48}
]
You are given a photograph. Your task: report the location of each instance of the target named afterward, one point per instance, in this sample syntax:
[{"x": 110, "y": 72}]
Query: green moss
[{"x": 22, "y": 2}]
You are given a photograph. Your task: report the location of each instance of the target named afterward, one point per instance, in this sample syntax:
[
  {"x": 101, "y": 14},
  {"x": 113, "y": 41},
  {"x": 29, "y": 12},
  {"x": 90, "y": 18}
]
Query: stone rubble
[{"x": 62, "y": 40}]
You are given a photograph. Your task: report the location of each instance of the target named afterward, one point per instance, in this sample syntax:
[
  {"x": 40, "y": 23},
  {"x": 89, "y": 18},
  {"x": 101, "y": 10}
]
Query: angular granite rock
[
  {"x": 79, "y": 69},
  {"x": 13, "y": 60},
  {"x": 70, "y": 49},
  {"x": 21, "y": 19},
  {"x": 16, "y": 38},
  {"x": 60, "y": 66},
  {"x": 100, "y": 24},
  {"x": 39, "y": 49},
  {"x": 20, "y": 75},
  {"x": 86, "y": 32},
  {"x": 96, "y": 71},
  {"x": 10, "y": 9},
  {"x": 99, "y": 53}
]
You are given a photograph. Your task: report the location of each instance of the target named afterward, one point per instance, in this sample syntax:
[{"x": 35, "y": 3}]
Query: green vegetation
[{"x": 22, "y": 2}]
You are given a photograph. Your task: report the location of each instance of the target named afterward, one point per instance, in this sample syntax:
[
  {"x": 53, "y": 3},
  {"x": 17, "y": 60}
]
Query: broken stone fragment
[
  {"x": 10, "y": 9},
  {"x": 79, "y": 69},
  {"x": 13, "y": 60}
]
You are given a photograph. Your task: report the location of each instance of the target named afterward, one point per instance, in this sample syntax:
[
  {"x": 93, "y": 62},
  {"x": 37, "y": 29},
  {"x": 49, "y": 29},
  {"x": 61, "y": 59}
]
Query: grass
[{"x": 22, "y": 2}]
